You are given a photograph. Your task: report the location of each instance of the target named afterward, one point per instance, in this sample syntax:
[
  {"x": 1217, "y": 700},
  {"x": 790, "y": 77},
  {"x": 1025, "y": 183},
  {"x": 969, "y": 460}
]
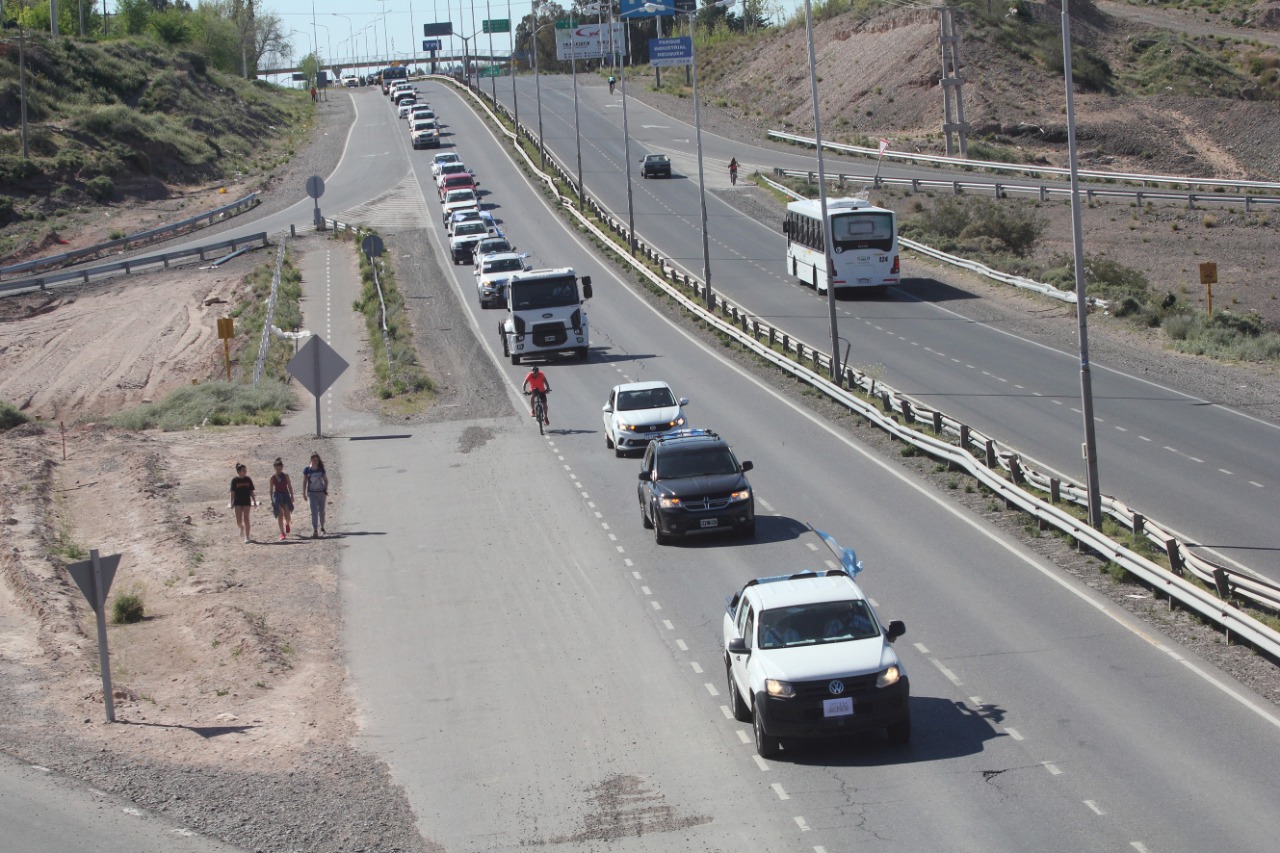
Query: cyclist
[
  {"x": 536, "y": 385},
  {"x": 733, "y": 170},
  {"x": 612, "y": 81}
]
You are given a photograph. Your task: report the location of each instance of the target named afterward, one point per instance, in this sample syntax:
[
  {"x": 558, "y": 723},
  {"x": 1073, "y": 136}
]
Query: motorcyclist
[
  {"x": 536, "y": 385},
  {"x": 733, "y": 170}
]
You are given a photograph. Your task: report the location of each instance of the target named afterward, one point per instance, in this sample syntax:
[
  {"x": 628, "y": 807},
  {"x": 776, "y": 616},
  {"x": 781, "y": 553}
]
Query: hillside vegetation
[
  {"x": 129, "y": 119},
  {"x": 1147, "y": 100}
]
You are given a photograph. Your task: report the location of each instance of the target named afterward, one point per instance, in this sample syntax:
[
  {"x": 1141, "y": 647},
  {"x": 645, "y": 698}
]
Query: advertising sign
[
  {"x": 589, "y": 41},
  {"x": 442, "y": 29},
  {"x": 673, "y": 51},
  {"x": 431, "y": 44}
]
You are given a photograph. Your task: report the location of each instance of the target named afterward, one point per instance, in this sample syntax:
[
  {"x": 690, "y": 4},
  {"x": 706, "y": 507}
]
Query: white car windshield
[
  {"x": 467, "y": 228},
  {"x": 504, "y": 265},
  {"x": 649, "y": 398},
  {"x": 455, "y": 196},
  {"x": 812, "y": 624}
]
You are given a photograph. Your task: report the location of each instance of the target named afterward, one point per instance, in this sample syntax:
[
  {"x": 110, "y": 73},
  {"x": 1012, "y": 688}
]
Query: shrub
[
  {"x": 102, "y": 188},
  {"x": 127, "y": 609},
  {"x": 218, "y": 403},
  {"x": 10, "y": 417}
]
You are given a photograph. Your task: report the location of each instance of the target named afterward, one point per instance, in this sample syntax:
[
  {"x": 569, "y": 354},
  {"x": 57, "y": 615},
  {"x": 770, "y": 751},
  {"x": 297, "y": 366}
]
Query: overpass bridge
[{"x": 432, "y": 64}]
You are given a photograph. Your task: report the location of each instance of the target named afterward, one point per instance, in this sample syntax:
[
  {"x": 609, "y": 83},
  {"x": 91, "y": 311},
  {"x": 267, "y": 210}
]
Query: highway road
[
  {"x": 537, "y": 671},
  {"x": 1202, "y": 468}
]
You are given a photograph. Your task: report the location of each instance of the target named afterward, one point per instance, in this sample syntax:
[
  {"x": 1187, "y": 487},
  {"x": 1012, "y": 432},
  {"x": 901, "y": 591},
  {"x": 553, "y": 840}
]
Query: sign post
[
  {"x": 315, "y": 189},
  {"x": 94, "y": 576},
  {"x": 1209, "y": 277},
  {"x": 227, "y": 331},
  {"x": 316, "y": 367}
]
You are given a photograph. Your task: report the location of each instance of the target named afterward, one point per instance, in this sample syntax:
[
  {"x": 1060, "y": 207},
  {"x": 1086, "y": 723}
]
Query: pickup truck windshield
[
  {"x": 505, "y": 265},
  {"x": 810, "y": 624}
]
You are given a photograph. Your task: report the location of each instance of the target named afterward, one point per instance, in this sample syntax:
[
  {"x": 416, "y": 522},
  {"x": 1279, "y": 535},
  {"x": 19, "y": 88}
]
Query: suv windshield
[
  {"x": 703, "y": 462},
  {"x": 505, "y": 265},
  {"x": 464, "y": 229},
  {"x": 459, "y": 196},
  {"x": 811, "y": 624},
  {"x": 649, "y": 398}
]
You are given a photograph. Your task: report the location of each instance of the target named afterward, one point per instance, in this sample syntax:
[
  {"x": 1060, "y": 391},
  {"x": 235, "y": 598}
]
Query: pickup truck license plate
[
  {"x": 710, "y": 522},
  {"x": 842, "y": 707}
]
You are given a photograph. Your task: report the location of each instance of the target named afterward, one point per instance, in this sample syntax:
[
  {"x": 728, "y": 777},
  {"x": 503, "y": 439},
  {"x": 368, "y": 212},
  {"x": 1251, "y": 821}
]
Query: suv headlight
[
  {"x": 889, "y": 677},
  {"x": 668, "y": 502},
  {"x": 780, "y": 689},
  {"x": 742, "y": 495}
]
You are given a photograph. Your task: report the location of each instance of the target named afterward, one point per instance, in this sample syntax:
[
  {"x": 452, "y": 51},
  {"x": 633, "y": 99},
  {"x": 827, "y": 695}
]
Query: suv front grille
[{"x": 704, "y": 503}]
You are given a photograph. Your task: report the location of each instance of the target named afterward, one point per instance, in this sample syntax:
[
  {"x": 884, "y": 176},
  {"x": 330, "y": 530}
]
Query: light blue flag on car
[{"x": 848, "y": 559}]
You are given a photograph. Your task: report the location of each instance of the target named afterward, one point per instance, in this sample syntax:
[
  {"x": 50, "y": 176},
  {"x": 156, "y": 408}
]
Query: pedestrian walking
[
  {"x": 315, "y": 488},
  {"x": 313, "y": 94},
  {"x": 282, "y": 498},
  {"x": 242, "y": 499}
]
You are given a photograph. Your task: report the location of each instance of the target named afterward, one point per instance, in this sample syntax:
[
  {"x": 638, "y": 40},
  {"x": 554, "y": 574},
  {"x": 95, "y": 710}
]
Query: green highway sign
[
  {"x": 491, "y": 71},
  {"x": 566, "y": 24},
  {"x": 499, "y": 25}
]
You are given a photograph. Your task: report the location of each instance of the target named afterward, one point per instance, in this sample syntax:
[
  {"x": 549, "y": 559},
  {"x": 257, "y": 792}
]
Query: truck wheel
[
  {"x": 741, "y": 712},
  {"x": 766, "y": 745},
  {"x": 515, "y": 359},
  {"x": 581, "y": 353}
]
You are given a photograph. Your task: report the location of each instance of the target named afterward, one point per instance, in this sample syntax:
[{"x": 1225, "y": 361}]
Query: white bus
[{"x": 864, "y": 248}]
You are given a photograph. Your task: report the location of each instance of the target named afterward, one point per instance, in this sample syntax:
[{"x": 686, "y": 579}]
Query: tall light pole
[
  {"x": 822, "y": 199},
  {"x": 350, "y": 34},
  {"x": 577, "y": 129},
  {"x": 537, "y": 86},
  {"x": 1082, "y": 303},
  {"x": 626, "y": 140},
  {"x": 697, "y": 124},
  {"x": 511, "y": 61}
]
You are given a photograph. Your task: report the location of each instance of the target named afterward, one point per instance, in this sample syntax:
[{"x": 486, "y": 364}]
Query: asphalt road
[
  {"x": 1203, "y": 469},
  {"x": 536, "y": 670}
]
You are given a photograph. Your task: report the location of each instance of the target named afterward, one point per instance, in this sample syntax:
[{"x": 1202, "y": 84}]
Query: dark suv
[
  {"x": 656, "y": 166},
  {"x": 690, "y": 482}
]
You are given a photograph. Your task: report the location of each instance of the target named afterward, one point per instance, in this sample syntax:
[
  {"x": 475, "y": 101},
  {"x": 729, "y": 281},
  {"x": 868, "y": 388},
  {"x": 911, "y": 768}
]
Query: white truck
[{"x": 545, "y": 315}]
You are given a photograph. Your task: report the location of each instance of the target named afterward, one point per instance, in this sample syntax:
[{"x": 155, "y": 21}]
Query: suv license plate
[
  {"x": 837, "y": 707},
  {"x": 710, "y": 522}
]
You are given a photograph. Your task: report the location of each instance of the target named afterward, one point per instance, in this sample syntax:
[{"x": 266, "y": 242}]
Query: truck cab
[{"x": 545, "y": 315}]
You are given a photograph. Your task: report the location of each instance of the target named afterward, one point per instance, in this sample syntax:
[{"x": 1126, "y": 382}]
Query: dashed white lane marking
[
  {"x": 778, "y": 789},
  {"x": 819, "y": 849},
  {"x": 627, "y": 562},
  {"x": 811, "y": 546},
  {"x": 646, "y": 590},
  {"x": 1144, "y": 438},
  {"x": 656, "y": 605},
  {"x": 1013, "y": 733},
  {"x": 621, "y": 550},
  {"x": 951, "y": 676},
  {"x": 1139, "y": 846},
  {"x": 764, "y": 504},
  {"x": 1225, "y": 471},
  {"x": 585, "y": 495},
  {"x": 831, "y": 564},
  {"x": 920, "y": 648},
  {"x": 666, "y": 623},
  {"x": 761, "y": 763},
  {"x": 1052, "y": 768},
  {"x": 599, "y": 514},
  {"x": 724, "y": 709},
  {"x": 604, "y": 525},
  {"x": 131, "y": 810},
  {"x": 697, "y": 667},
  {"x": 800, "y": 822},
  {"x": 711, "y": 688},
  {"x": 1254, "y": 483},
  {"x": 613, "y": 537},
  {"x": 742, "y": 733},
  {"x": 1094, "y": 808}
]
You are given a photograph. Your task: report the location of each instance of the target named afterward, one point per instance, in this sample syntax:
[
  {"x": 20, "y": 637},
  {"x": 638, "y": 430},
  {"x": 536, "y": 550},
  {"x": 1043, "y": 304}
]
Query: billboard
[
  {"x": 441, "y": 29},
  {"x": 670, "y": 51},
  {"x": 589, "y": 41},
  {"x": 634, "y": 9}
]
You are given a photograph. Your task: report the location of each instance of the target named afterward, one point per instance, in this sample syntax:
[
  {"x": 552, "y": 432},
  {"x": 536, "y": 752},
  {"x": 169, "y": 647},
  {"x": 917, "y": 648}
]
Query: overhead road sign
[
  {"x": 442, "y": 29},
  {"x": 498, "y": 25},
  {"x": 668, "y": 52}
]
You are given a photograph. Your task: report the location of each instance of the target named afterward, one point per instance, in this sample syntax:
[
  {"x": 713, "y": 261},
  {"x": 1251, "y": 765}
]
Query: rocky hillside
[{"x": 1147, "y": 99}]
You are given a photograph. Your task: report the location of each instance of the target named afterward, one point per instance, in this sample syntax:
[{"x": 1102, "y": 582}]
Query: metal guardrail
[
  {"x": 247, "y": 203},
  {"x": 1000, "y": 469},
  {"x": 1028, "y": 169},
  {"x": 1042, "y": 192},
  {"x": 42, "y": 282}
]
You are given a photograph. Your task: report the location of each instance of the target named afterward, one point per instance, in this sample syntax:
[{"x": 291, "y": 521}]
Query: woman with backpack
[{"x": 315, "y": 488}]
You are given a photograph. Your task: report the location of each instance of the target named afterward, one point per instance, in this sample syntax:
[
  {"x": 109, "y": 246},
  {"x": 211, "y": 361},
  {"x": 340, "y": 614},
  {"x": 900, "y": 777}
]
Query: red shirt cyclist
[{"x": 536, "y": 384}]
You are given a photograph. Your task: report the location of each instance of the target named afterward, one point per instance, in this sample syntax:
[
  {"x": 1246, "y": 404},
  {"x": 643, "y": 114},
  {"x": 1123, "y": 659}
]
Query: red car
[{"x": 458, "y": 182}]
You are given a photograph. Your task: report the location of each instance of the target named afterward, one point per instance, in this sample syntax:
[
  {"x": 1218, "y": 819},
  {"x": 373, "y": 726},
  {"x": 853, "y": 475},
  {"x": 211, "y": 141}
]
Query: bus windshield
[{"x": 862, "y": 231}]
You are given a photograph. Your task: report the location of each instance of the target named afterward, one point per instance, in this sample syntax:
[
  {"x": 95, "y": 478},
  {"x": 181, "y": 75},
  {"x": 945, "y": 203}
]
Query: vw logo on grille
[{"x": 836, "y": 688}]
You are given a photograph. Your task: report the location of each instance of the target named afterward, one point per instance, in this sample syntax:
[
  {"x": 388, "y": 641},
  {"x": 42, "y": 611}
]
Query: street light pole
[
  {"x": 626, "y": 138},
  {"x": 1082, "y": 303},
  {"x": 697, "y": 125},
  {"x": 537, "y": 86},
  {"x": 822, "y": 199}
]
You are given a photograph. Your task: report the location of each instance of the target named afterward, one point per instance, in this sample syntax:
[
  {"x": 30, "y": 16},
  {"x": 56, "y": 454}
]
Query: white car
[
  {"x": 472, "y": 214},
  {"x": 405, "y": 106},
  {"x": 492, "y": 272},
  {"x": 442, "y": 158},
  {"x": 444, "y": 170},
  {"x": 806, "y": 656},
  {"x": 639, "y": 412},
  {"x": 350, "y": 81},
  {"x": 463, "y": 238},
  {"x": 421, "y": 110},
  {"x": 424, "y": 133},
  {"x": 456, "y": 200}
]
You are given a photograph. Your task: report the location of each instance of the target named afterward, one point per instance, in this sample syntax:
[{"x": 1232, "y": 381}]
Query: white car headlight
[
  {"x": 780, "y": 689},
  {"x": 889, "y": 677}
]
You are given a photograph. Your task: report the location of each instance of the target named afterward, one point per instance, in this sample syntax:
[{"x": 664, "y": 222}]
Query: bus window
[{"x": 863, "y": 231}]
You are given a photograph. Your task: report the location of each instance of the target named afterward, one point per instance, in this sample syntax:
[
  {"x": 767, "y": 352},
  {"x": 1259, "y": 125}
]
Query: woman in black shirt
[{"x": 242, "y": 499}]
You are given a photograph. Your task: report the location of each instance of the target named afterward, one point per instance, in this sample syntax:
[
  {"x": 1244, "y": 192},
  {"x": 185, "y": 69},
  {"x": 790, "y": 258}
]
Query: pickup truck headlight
[
  {"x": 780, "y": 689},
  {"x": 889, "y": 677}
]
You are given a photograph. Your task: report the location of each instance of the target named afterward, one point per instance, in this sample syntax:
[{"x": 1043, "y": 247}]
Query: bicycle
[{"x": 539, "y": 408}]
